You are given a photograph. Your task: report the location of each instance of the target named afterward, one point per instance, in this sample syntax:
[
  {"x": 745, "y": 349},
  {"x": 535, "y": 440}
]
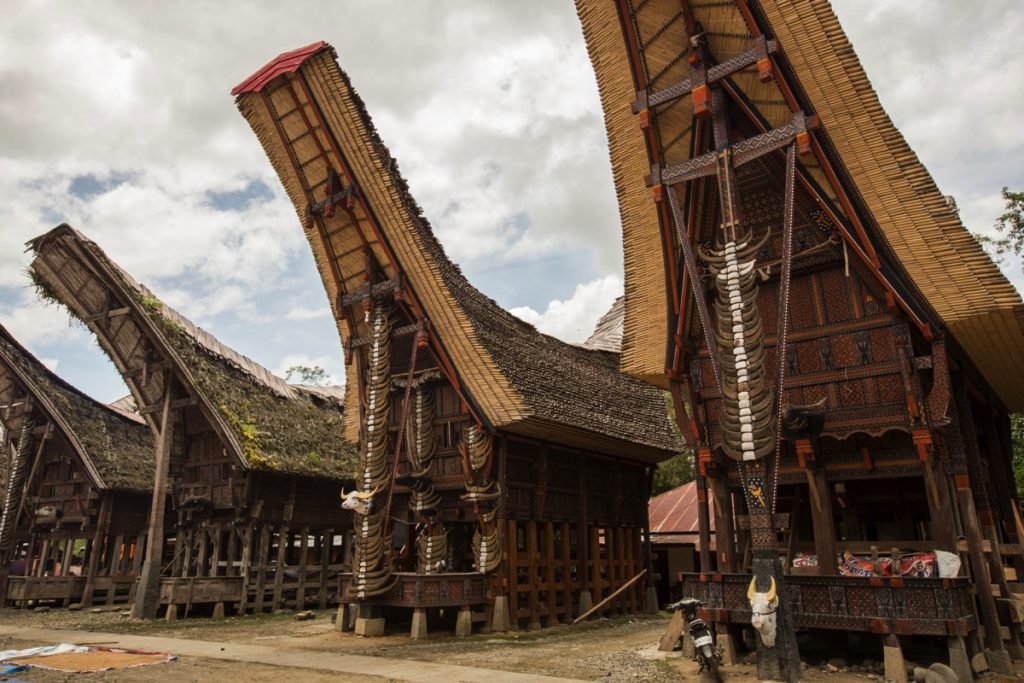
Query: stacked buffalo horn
[
  {"x": 371, "y": 571},
  {"x": 421, "y": 450},
  {"x": 748, "y": 431},
  {"x": 432, "y": 549},
  {"x": 477, "y": 452},
  {"x": 15, "y": 482},
  {"x": 487, "y": 543}
]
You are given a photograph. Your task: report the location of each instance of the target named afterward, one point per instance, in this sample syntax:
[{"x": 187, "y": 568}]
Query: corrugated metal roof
[
  {"x": 284, "y": 63},
  {"x": 675, "y": 511}
]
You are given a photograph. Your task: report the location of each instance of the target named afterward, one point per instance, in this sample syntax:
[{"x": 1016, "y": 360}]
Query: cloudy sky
[{"x": 117, "y": 118}]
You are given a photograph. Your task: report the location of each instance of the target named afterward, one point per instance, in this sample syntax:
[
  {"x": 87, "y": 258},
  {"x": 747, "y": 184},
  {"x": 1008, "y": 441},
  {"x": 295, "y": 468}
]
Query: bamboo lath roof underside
[
  {"x": 924, "y": 252},
  {"x": 312, "y": 124}
]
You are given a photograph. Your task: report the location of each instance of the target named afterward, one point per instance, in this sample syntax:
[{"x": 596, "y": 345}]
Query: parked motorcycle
[{"x": 705, "y": 650}]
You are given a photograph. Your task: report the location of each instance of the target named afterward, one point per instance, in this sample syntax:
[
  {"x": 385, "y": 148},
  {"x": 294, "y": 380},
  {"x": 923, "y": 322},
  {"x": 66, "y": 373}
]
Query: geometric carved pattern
[{"x": 837, "y": 600}]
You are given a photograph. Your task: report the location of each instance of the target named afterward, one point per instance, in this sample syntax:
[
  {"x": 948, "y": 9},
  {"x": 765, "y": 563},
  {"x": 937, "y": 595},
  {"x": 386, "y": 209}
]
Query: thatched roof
[
  {"x": 924, "y": 251},
  {"x": 607, "y": 334},
  {"x": 515, "y": 377},
  {"x": 267, "y": 423},
  {"x": 115, "y": 451}
]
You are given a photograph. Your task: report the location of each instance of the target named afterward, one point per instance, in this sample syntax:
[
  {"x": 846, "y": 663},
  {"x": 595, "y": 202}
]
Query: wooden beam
[
  {"x": 611, "y": 597},
  {"x": 112, "y": 313}
]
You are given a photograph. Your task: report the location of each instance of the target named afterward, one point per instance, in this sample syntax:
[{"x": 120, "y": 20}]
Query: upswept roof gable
[
  {"x": 874, "y": 182},
  {"x": 269, "y": 424},
  {"x": 116, "y": 451},
  {"x": 517, "y": 377}
]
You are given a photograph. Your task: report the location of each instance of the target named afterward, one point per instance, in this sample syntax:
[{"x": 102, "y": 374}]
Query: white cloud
[
  {"x": 303, "y": 313},
  {"x": 574, "y": 319},
  {"x": 50, "y": 363}
]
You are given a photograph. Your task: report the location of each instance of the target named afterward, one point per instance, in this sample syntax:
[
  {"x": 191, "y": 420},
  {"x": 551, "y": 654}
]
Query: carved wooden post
[{"x": 821, "y": 507}]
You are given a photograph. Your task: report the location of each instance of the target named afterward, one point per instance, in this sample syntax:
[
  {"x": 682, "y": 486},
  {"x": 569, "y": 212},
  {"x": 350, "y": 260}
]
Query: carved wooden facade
[
  {"x": 900, "y": 336},
  {"x": 251, "y": 466},
  {"x": 76, "y": 491},
  {"x": 515, "y": 469}
]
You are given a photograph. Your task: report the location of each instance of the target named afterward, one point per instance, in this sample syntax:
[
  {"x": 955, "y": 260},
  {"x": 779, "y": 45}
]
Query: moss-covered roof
[
  {"x": 269, "y": 424},
  {"x": 116, "y": 450}
]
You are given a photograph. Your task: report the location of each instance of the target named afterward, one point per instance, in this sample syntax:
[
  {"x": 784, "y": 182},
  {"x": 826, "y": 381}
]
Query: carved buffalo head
[
  {"x": 357, "y": 501},
  {"x": 763, "y": 611}
]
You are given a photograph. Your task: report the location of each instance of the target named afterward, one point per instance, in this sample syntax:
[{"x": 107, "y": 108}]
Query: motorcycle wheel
[{"x": 711, "y": 663}]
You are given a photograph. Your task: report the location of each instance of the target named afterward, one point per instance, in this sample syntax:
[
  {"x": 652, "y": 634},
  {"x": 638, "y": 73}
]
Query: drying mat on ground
[{"x": 77, "y": 659}]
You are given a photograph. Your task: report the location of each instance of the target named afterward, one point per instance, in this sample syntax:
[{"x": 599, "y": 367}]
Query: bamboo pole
[{"x": 611, "y": 597}]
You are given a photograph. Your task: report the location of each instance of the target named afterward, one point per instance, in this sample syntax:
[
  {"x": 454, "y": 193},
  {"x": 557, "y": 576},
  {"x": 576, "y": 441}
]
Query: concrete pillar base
[
  {"x": 499, "y": 619},
  {"x": 726, "y": 644},
  {"x": 218, "y": 610},
  {"x": 370, "y": 628},
  {"x": 343, "y": 620},
  {"x": 172, "y": 613},
  {"x": 652, "y": 599},
  {"x": 687, "y": 645},
  {"x": 999, "y": 661},
  {"x": 586, "y": 602},
  {"x": 418, "y": 631},
  {"x": 958, "y": 660},
  {"x": 464, "y": 623},
  {"x": 892, "y": 657}
]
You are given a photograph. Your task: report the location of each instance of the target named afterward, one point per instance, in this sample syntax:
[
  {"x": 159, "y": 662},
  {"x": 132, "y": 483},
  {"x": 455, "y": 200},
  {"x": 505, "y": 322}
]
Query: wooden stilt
[
  {"x": 245, "y": 568},
  {"x": 93, "y": 551},
  {"x": 325, "y": 558},
  {"x": 567, "y": 578},
  {"x": 300, "y": 590},
  {"x": 531, "y": 551},
  {"x": 512, "y": 547},
  {"x": 551, "y": 609},
  {"x": 724, "y": 532},
  {"x": 261, "y": 572},
  {"x": 283, "y": 537}
]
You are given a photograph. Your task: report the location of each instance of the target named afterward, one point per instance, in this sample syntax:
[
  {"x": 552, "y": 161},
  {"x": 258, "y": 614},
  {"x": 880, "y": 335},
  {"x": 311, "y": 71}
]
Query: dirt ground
[{"x": 622, "y": 650}]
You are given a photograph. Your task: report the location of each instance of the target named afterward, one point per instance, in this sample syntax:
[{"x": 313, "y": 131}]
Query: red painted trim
[{"x": 284, "y": 63}]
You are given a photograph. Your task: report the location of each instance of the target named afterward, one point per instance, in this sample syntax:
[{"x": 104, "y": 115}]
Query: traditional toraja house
[
  {"x": 78, "y": 478},
  {"x": 502, "y": 472},
  {"x": 771, "y": 209},
  {"x": 252, "y": 466}
]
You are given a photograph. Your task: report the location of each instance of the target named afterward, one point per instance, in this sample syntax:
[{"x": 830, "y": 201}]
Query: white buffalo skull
[
  {"x": 360, "y": 502},
  {"x": 763, "y": 611}
]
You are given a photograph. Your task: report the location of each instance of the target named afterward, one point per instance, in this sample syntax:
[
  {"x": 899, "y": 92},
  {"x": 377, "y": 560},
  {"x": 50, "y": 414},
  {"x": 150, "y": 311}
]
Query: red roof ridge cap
[{"x": 286, "y": 62}]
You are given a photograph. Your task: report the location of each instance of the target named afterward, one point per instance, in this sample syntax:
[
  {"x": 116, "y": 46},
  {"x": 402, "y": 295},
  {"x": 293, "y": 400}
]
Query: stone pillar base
[
  {"x": 586, "y": 602},
  {"x": 892, "y": 657},
  {"x": 218, "y": 610},
  {"x": 687, "y": 645},
  {"x": 370, "y": 628},
  {"x": 464, "y": 623},
  {"x": 999, "y": 661},
  {"x": 147, "y": 592},
  {"x": 958, "y": 660},
  {"x": 499, "y": 620},
  {"x": 343, "y": 620},
  {"x": 172, "y": 613},
  {"x": 652, "y": 599},
  {"x": 726, "y": 644},
  {"x": 419, "y": 624}
]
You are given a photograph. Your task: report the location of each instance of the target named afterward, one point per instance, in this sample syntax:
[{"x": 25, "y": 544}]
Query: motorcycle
[{"x": 705, "y": 651}]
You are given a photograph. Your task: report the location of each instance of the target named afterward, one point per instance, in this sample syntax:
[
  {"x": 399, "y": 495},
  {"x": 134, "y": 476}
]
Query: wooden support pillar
[
  {"x": 725, "y": 547},
  {"x": 114, "y": 564},
  {"x": 231, "y": 558},
  {"x": 549, "y": 574},
  {"x": 513, "y": 573},
  {"x": 261, "y": 571},
  {"x": 245, "y": 568},
  {"x": 940, "y": 512},
  {"x": 94, "y": 549},
  {"x": 531, "y": 551},
  {"x": 147, "y": 597},
  {"x": 703, "y": 524},
  {"x": 283, "y": 537},
  {"x": 567, "y": 580},
  {"x": 325, "y": 557},
  {"x": 651, "y": 593},
  {"x": 300, "y": 590},
  {"x": 999, "y": 660},
  {"x": 596, "y": 563},
  {"x": 823, "y": 523}
]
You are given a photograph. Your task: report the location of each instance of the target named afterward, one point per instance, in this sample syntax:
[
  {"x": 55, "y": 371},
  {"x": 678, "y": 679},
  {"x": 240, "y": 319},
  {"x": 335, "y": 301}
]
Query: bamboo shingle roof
[
  {"x": 115, "y": 451},
  {"x": 925, "y": 251},
  {"x": 517, "y": 378},
  {"x": 268, "y": 424},
  {"x": 607, "y": 334}
]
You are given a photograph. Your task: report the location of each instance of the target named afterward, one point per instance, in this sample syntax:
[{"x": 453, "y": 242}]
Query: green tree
[
  {"x": 673, "y": 473},
  {"x": 1017, "y": 440},
  {"x": 1010, "y": 226},
  {"x": 307, "y": 374}
]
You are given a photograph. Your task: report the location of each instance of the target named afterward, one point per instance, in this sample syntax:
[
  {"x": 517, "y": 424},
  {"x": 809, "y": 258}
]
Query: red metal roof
[
  {"x": 284, "y": 63},
  {"x": 675, "y": 511}
]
